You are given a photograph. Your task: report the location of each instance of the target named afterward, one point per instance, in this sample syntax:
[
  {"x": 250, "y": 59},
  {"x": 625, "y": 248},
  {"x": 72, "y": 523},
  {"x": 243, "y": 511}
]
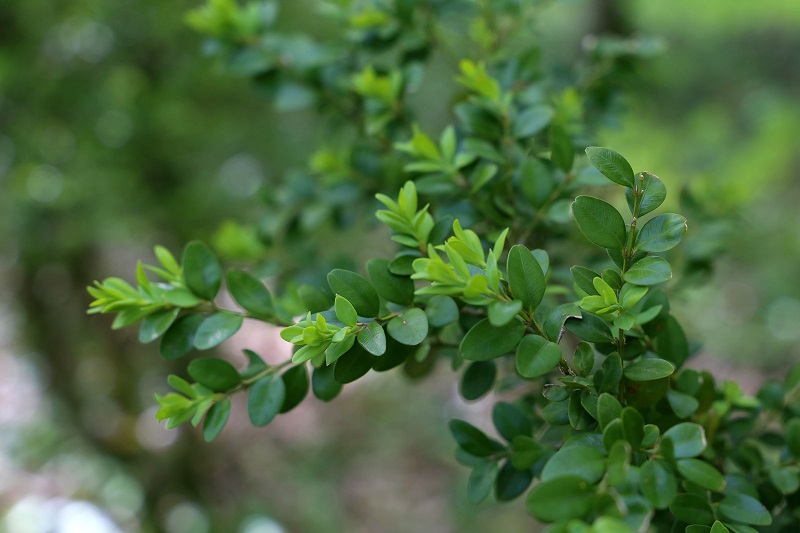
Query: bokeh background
[{"x": 116, "y": 134}]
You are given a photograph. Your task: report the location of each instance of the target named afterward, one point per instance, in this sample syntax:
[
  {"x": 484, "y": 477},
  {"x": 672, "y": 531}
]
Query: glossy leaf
[
  {"x": 216, "y": 418},
  {"x": 250, "y": 293},
  {"x": 216, "y": 328},
  {"x": 441, "y": 311},
  {"x": 345, "y": 312},
  {"x": 156, "y": 324},
  {"x": 649, "y": 369},
  {"x": 478, "y": 379},
  {"x": 536, "y": 356},
  {"x": 484, "y": 341},
  {"x": 410, "y": 327},
  {"x": 649, "y": 271},
  {"x": 608, "y": 409},
  {"x": 472, "y": 440},
  {"x": 398, "y": 289},
  {"x": 295, "y": 382},
  {"x": 658, "y": 483},
  {"x": 745, "y": 509},
  {"x": 373, "y": 339},
  {"x": 578, "y": 461},
  {"x": 323, "y": 385},
  {"x": 265, "y": 399},
  {"x": 356, "y": 289},
  {"x": 502, "y": 312},
  {"x": 688, "y": 439},
  {"x": 561, "y": 498},
  {"x": 525, "y": 277},
  {"x": 584, "y": 358},
  {"x": 511, "y": 421},
  {"x": 511, "y": 482},
  {"x": 701, "y": 473},
  {"x": 661, "y": 233},
  {"x": 216, "y": 374},
  {"x": 611, "y": 165},
  {"x": 590, "y": 328},
  {"x": 201, "y": 270},
  {"x": 179, "y": 338},
  {"x": 652, "y": 191},
  {"x": 599, "y": 222}
]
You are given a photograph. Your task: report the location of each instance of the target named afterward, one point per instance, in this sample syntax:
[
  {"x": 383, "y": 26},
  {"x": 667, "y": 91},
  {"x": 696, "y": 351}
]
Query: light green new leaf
[
  {"x": 600, "y": 222},
  {"x": 345, "y": 311},
  {"x": 611, "y": 165}
]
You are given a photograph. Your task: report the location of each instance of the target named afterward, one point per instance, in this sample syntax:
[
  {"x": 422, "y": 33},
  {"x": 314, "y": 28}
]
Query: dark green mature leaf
[
  {"x": 250, "y": 293},
  {"x": 745, "y": 509},
  {"x": 670, "y": 343},
  {"x": 583, "y": 462},
  {"x": 692, "y": 508},
  {"x": 314, "y": 299},
  {"x": 481, "y": 481},
  {"x": 608, "y": 409},
  {"x": 658, "y": 483},
  {"x": 661, "y": 233},
  {"x": 356, "y": 289},
  {"x": 323, "y": 385},
  {"x": 619, "y": 462},
  {"x": 632, "y": 427},
  {"x": 536, "y": 356},
  {"x": 511, "y": 482},
  {"x": 648, "y": 271},
  {"x": 472, "y": 440},
  {"x": 584, "y": 279},
  {"x": 295, "y": 381},
  {"x": 441, "y": 310},
  {"x": 561, "y": 498},
  {"x": 484, "y": 341},
  {"x": 201, "y": 270},
  {"x": 701, "y": 473},
  {"x": 337, "y": 349},
  {"x": 649, "y": 369},
  {"x": 688, "y": 439},
  {"x": 511, "y": 421},
  {"x": 535, "y": 181},
  {"x": 398, "y": 289},
  {"x": 216, "y": 374},
  {"x": 216, "y": 418},
  {"x": 179, "y": 338},
  {"x": 584, "y": 358},
  {"x": 409, "y": 327},
  {"x": 611, "y": 165},
  {"x": 792, "y": 430},
  {"x": 525, "y": 452},
  {"x": 478, "y": 379},
  {"x": 373, "y": 339},
  {"x": 653, "y": 194},
  {"x": 683, "y": 405},
  {"x": 156, "y": 324},
  {"x": 562, "y": 152},
  {"x": 590, "y": 328},
  {"x": 353, "y": 365},
  {"x": 216, "y": 328},
  {"x": 525, "y": 277},
  {"x": 610, "y": 374},
  {"x": 600, "y": 222},
  {"x": 265, "y": 399},
  {"x": 255, "y": 365}
]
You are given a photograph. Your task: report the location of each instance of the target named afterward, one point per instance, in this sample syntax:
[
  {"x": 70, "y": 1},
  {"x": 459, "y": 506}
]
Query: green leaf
[
  {"x": 649, "y": 370},
  {"x": 718, "y": 527},
  {"x": 610, "y": 374},
  {"x": 373, "y": 339},
  {"x": 481, "y": 481},
  {"x": 531, "y": 121},
  {"x": 793, "y": 436},
  {"x": 156, "y": 324},
  {"x": 670, "y": 343},
  {"x": 584, "y": 358},
  {"x": 441, "y": 311},
  {"x": 216, "y": 374},
  {"x": 600, "y": 222},
  {"x": 511, "y": 482},
  {"x": 478, "y": 379},
  {"x": 525, "y": 277},
  {"x": 484, "y": 341},
  {"x": 502, "y": 312},
  {"x": 619, "y": 462},
  {"x": 397, "y": 289},
  {"x": 658, "y": 483},
  {"x": 525, "y": 452},
  {"x": 688, "y": 439},
  {"x": 745, "y": 509},
  {"x": 345, "y": 311},
  {"x": 536, "y": 356},
  {"x": 265, "y": 399},
  {"x": 314, "y": 299},
  {"x": 786, "y": 479},
  {"x": 611, "y": 165},
  {"x": 323, "y": 385},
  {"x": 561, "y": 498},
  {"x": 352, "y": 365},
  {"x": 608, "y": 409},
  {"x": 683, "y": 405},
  {"x": 590, "y": 328},
  {"x": 357, "y": 290},
  {"x": 562, "y": 152},
  {"x": 701, "y": 473},
  {"x": 410, "y": 327},
  {"x": 295, "y": 382},
  {"x": 632, "y": 427},
  {"x": 649, "y": 271},
  {"x": 535, "y": 181},
  {"x": 511, "y": 421},
  {"x": 582, "y": 462},
  {"x": 584, "y": 279},
  {"x": 692, "y": 508},
  {"x": 216, "y": 328},
  {"x": 250, "y": 293},
  {"x": 653, "y": 194},
  {"x": 201, "y": 270},
  {"x": 337, "y": 349},
  {"x": 216, "y": 418},
  {"x": 255, "y": 365},
  {"x": 661, "y": 233},
  {"x": 472, "y": 440}
]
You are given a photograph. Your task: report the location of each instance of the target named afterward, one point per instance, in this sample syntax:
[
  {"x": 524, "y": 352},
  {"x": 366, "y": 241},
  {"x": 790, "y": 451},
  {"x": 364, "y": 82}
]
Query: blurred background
[{"x": 116, "y": 134}]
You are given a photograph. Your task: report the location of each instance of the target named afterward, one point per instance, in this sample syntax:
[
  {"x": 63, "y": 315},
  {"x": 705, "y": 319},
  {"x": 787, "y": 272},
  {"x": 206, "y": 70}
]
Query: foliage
[{"x": 601, "y": 411}]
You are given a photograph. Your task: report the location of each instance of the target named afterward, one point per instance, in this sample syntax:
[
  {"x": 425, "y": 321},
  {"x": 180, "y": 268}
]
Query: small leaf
[
  {"x": 584, "y": 358},
  {"x": 511, "y": 482},
  {"x": 525, "y": 452},
  {"x": 356, "y": 289},
  {"x": 352, "y": 365},
  {"x": 373, "y": 339},
  {"x": 156, "y": 324},
  {"x": 599, "y": 222},
  {"x": 216, "y": 374},
  {"x": 745, "y": 509},
  {"x": 179, "y": 338},
  {"x": 250, "y": 293},
  {"x": 688, "y": 439},
  {"x": 590, "y": 328},
  {"x": 481, "y": 481},
  {"x": 397, "y": 289},
  {"x": 472, "y": 440},
  {"x": 561, "y": 498},
  {"x": 584, "y": 279},
  {"x": 683, "y": 405},
  {"x": 265, "y": 399},
  {"x": 216, "y": 418},
  {"x": 410, "y": 327},
  {"x": 786, "y": 479},
  {"x": 793, "y": 436},
  {"x": 661, "y": 233},
  {"x": 345, "y": 311},
  {"x": 608, "y": 409},
  {"x": 478, "y": 379},
  {"x": 511, "y": 421},
  {"x": 295, "y": 381},
  {"x": 610, "y": 374},
  {"x": 583, "y": 462},
  {"x": 441, "y": 311},
  {"x": 649, "y": 370},
  {"x": 658, "y": 483},
  {"x": 692, "y": 508},
  {"x": 502, "y": 312},
  {"x": 653, "y": 193},
  {"x": 216, "y": 328},
  {"x": 525, "y": 277},
  {"x": 323, "y": 385},
  {"x": 611, "y": 165},
  {"x": 632, "y": 427},
  {"x": 337, "y": 349},
  {"x": 562, "y": 152},
  {"x": 648, "y": 271},
  {"x": 484, "y": 341},
  {"x": 536, "y": 356},
  {"x": 201, "y": 270},
  {"x": 701, "y": 473}
]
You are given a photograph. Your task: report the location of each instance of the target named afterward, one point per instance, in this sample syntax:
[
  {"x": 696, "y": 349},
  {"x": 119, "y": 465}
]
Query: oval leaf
[
  {"x": 481, "y": 481},
  {"x": 688, "y": 439},
  {"x": 265, "y": 399},
  {"x": 201, "y": 270},
  {"x": 611, "y": 165},
  {"x": 661, "y": 233},
  {"x": 216, "y": 374},
  {"x": 356, "y": 289},
  {"x": 653, "y": 192},
  {"x": 373, "y": 339},
  {"x": 478, "y": 379},
  {"x": 745, "y": 509},
  {"x": 441, "y": 311},
  {"x": 658, "y": 483},
  {"x": 649, "y": 370},
  {"x": 484, "y": 341},
  {"x": 216, "y": 418},
  {"x": 600, "y": 222},
  {"x": 398, "y": 289},
  {"x": 156, "y": 324},
  {"x": 561, "y": 498},
  {"x": 701, "y": 473},
  {"x": 536, "y": 356},
  {"x": 179, "y": 338},
  {"x": 525, "y": 277},
  {"x": 649, "y": 271},
  {"x": 250, "y": 293},
  {"x": 583, "y": 462},
  {"x": 216, "y": 328},
  {"x": 410, "y": 327},
  {"x": 295, "y": 381}
]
